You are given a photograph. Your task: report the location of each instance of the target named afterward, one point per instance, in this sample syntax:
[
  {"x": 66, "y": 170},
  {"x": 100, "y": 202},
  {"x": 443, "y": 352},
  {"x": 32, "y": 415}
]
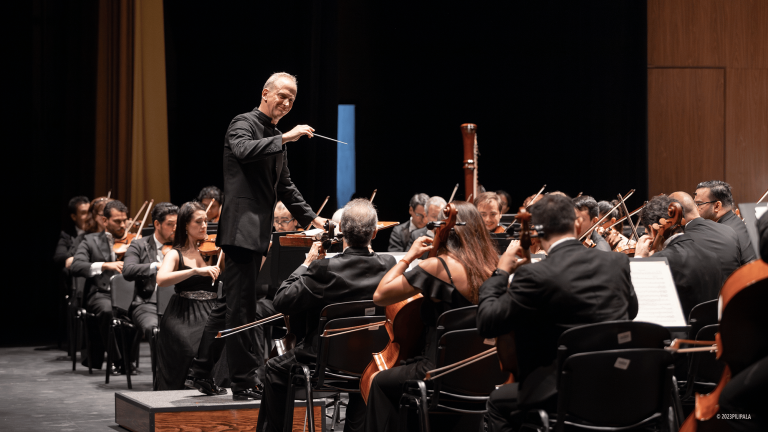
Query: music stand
[
  {"x": 747, "y": 211},
  {"x": 279, "y": 264}
]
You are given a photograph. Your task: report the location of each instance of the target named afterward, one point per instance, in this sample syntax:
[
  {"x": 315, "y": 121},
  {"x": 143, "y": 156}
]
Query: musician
[
  {"x": 450, "y": 280},
  {"x": 256, "y": 176},
  {"x": 715, "y": 202},
  {"x": 283, "y": 220},
  {"x": 187, "y": 312},
  {"x": 434, "y": 206},
  {"x": 572, "y": 287},
  {"x": 717, "y": 238},
  {"x": 505, "y": 198},
  {"x": 614, "y": 237},
  {"x": 95, "y": 260},
  {"x": 142, "y": 259},
  {"x": 350, "y": 276},
  {"x": 587, "y": 212},
  {"x": 205, "y": 196},
  {"x": 78, "y": 212},
  {"x": 696, "y": 271},
  {"x": 400, "y": 238},
  {"x": 489, "y": 206}
]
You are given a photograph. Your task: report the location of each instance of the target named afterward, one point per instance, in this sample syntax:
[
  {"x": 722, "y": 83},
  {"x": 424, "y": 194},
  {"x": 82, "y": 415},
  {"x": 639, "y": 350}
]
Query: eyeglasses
[
  {"x": 285, "y": 222},
  {"x": 702, "y": 203}
]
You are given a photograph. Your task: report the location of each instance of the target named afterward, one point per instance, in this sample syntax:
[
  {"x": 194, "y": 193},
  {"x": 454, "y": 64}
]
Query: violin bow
[
  {"x": 632, "y": 225},
  {"x": 133, "y": 221},
  {"x": 109, "y": 194},
  {"x": 592, "y": 228},
  {"x": 634, "y": 212},
  {"x": 218, "y": 264},
  {"x": 469, "y": 200},
  {"x": 454, "y": 193},
  {"x": 230, "y": 332},
  {"x": 143, "y": 221},
  {"x": 210, "y": 204},
  {"x": 763, "y": 197},
  {"x": 536, "y": 196},
  {"x": 373, "y": 194},
  {"x": 319, "y": 210}
]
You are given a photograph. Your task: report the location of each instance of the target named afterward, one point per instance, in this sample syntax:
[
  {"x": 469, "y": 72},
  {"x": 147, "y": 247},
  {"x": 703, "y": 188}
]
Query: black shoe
[
  {"x": 207, "y": 386},
  {"x": 251, "y": 393},
  {"x": 120, "y": 370}
]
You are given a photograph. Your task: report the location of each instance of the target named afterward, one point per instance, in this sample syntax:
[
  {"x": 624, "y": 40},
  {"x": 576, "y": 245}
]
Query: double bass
[{"x": 403, "y": 323}]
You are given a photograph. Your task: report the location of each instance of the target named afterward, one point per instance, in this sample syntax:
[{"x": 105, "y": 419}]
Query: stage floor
[{"x": 40, "y": 392}]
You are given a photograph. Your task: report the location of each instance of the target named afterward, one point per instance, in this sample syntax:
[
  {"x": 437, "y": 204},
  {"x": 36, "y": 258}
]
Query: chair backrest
[
  {"x": 615, "y": 388},
  {"x": 610, "y": 335},
  {"x": 351, "y": 352},
  {"x": 704, "y": 365},
  {"x": 122, "y": 293},
  {"x": 359, "y": 308},
  {"x": 164, "y": 295},
  {"x": 703, "y": 314},
  {"x": 477, "y": 379},
  {"x": 743, "y": 327},
  {"x": 456, "y": 319},
  {"x": 78, "y": 289}
]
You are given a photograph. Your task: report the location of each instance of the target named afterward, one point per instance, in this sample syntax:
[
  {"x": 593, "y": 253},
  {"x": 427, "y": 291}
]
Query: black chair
[
  {"x": 615, "y": 390},
  {"x": 705, "y": 369},
  {"x": 702, "y": 315},
  {"x": 78, "y": 319},
  {"x": 341, "y": 359},
  {"x": 122, "y": 293},
  {"x": 163, "y": 297}
]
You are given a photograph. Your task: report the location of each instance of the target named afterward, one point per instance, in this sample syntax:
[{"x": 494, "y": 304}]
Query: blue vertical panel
[{"x": 345, "y": 155}]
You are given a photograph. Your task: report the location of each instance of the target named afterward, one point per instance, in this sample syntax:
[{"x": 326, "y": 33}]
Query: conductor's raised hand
[
  {"x": 419, "y": 247},
  {"x": 297, "y": 132},
  {"x": 211, "y": 271},
  {"x": 319, "y": 222}
]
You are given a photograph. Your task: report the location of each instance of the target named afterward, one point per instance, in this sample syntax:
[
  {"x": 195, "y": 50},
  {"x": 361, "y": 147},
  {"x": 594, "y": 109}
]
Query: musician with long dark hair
[
  {"x": 187, "y": 312},
  {"x": 450, "y": 280}
]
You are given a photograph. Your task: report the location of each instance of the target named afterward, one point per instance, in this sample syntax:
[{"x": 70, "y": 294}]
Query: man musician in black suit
[
  {"x": 142, "y": 259},
  {"x": 400, "y": 237},
  {"x": 95, "y": 260},
  {"x": 78, "y": 212},
  {"x": 256, "y": 176},
  {"x": 572, "y": 287},
  {"x": 352, "y": 275},
  {"x": 715, "y": 202}
]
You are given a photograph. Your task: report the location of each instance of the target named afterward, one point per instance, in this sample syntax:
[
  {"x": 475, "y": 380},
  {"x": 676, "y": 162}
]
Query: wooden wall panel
[
  {"x": 746, "y": 24},
  {"x": 685, "y": 128},
  {"x": 686, "y": 33},
  {"x": 746, "y": 136}
]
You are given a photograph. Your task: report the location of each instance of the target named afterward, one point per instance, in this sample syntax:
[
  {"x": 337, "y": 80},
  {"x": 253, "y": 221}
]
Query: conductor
[{"x": 256, "y": 177}]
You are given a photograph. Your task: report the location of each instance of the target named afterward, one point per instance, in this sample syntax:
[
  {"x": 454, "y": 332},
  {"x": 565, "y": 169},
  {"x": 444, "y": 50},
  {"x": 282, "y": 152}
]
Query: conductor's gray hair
[
  {"x": 358, "y": 222},
  {"x": 270, "y": 84}
]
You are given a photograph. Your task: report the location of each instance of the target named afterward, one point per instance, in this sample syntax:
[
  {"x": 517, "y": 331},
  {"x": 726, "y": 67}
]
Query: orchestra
[{"x": 216, "y": 332}]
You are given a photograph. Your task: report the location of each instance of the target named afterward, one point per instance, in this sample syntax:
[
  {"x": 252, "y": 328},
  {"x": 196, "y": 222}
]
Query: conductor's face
[{"x": 278, "y": 101}]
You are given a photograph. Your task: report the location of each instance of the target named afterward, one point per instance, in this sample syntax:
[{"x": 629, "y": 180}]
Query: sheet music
[{"x": 656, "y": 293}]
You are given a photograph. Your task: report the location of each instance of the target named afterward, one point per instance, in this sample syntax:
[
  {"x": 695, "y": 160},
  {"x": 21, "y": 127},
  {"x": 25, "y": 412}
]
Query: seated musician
[
  {"x": 489, "y": 206},
  {"x": 95, "y": 260},
  {"x": 187, "y": 312},
  {"x": 350, "y": 276},
  {"x": 587, "y": 212},
  {"x": 142, "y": 259},
  {"x": 284, "y": 221},
  {"x": 506, "y": 199},
  {"x": 450, "y": 280},
  {"x": 434, "y": 206},
  {"x": 400, "y": 237},
  {"x": 716, "y": 204},
  {"x": 572, "y": 287},
  {"x": 205, "y": 196},
  {"x": 717, "y": 238},
  {"x": 695, "y": 270},
  {"x": 78, "y": 212},
  {"x": 614, "y": 236}
]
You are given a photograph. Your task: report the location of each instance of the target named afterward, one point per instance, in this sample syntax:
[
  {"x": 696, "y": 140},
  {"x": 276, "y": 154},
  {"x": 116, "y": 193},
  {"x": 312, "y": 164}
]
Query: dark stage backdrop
[{"x": 558, "y": 92}]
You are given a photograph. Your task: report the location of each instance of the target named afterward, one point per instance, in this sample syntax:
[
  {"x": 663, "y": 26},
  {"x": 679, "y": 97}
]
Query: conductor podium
[{"x": 183, "y": 410}]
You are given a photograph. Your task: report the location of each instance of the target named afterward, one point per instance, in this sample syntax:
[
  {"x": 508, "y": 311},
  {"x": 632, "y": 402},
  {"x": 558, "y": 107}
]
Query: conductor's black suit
[
  {"x": 256, "y": 176},
  {"x": 572, "y": 287}
]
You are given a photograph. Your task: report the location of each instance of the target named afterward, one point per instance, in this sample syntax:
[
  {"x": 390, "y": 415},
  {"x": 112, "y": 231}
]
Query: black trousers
[
  {"x": 100, "y": 304},
  {"x": 273, "y": 403},
  {"x": 245, "y": 350},
  {"x": 144, "y": 317},
  {"x": 210, "y": 349}
]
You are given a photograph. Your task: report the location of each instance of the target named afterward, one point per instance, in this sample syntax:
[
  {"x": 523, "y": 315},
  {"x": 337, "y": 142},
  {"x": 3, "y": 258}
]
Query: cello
[{"x": 403, "y": 323}]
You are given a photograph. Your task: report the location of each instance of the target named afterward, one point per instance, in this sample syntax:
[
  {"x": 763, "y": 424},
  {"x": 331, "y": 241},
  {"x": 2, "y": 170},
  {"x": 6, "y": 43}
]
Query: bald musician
[
  {"x": 256, "y": 176},
  {"x": 715, "y": 202}
]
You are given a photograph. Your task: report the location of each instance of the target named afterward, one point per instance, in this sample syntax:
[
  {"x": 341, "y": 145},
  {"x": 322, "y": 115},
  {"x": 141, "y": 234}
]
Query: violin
[
  {"x": 121, "y": 245},
  {"x": 404, "y": 324},
  {"x": 585, "y": 238},
  {"x": 207, "y": 247},
  {"x": 665, "y": 226}
]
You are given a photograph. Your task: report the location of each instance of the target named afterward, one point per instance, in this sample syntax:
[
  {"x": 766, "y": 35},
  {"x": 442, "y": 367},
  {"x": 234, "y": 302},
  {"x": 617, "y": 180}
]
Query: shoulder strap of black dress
[
  {"x": 181, "y": 260},
  {"x": 446, "y": 269}
]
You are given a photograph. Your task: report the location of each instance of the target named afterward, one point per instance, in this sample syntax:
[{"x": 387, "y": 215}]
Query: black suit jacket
[
  {"x": 350, "y": 276},
  {"x": 719, "y": 239},
  {"x": 696, "y": 271},
  {"x": 762, "y": 234},
  {"x": 62, "y": 248},
  {"x": 400, "y": 238},
  {"x": 600, "y": 243},
  {"x": 256, "y": 176},
  {"x": 572, "y": 287},
  {"x": 745, "y": 244},
  {"x": 93, "y": 248},
  {"x": 138, "y": 261}
]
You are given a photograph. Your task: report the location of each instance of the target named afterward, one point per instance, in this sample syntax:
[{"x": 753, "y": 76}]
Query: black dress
[
  {"x": 181, "y": 329},
  {"x": 387, "y": 386}
]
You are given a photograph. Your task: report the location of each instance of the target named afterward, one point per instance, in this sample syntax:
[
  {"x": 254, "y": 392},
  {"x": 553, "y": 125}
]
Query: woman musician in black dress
[
  {"x": 187, "y": 312},
  {"x": 449, "y": 281}
]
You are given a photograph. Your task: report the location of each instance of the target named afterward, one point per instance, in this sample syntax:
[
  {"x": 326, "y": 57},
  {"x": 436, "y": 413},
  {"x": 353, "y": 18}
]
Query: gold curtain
[{"x": 131, "y": 155}]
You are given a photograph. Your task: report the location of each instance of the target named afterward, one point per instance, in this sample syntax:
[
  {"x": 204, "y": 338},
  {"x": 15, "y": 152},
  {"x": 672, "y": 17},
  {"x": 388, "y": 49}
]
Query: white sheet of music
[{"x": 656, "y": 293}]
